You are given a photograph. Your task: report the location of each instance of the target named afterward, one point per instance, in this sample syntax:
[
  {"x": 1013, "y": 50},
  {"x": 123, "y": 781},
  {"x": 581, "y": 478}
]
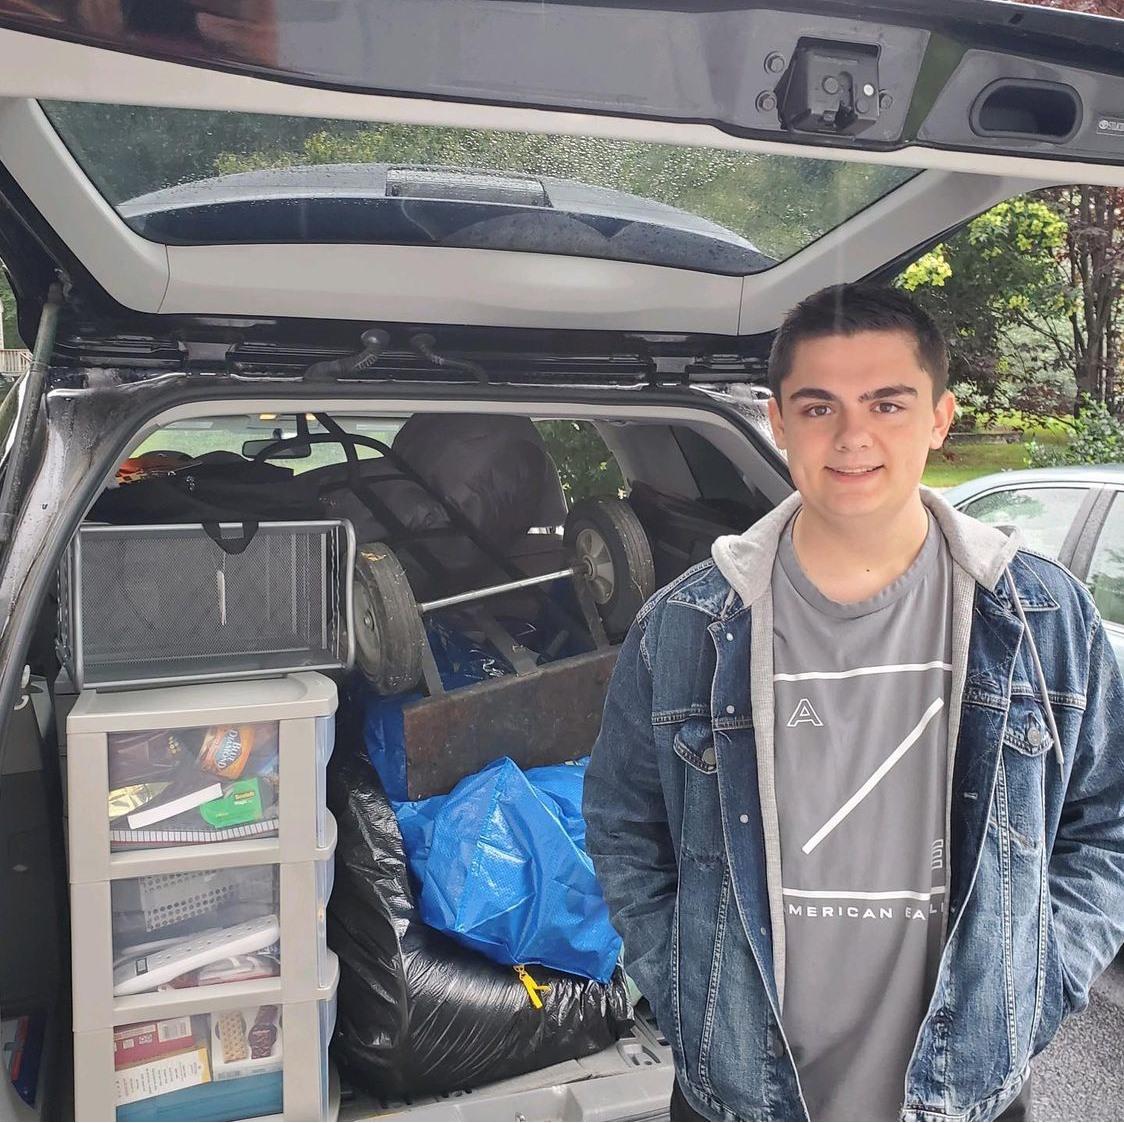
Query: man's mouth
[{"x": 855, "y": 472}]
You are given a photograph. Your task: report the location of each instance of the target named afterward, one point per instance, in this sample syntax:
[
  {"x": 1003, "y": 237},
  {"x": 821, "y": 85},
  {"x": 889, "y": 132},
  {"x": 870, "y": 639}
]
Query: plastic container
[
  {"x": 211, "y": 783},
  {"x": 229, "y": 768},
  {"x": 325, "y": 746},
  {"x": 227, "y": 1063},
  {"x": 179, "y": 930},
  {"x": 239, "y": 1059},
  {"x": 206, "y": 602},
  {"x": 325, "y": 880}
]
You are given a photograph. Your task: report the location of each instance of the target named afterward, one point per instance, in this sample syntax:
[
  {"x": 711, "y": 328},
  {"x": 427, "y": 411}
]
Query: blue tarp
[{"x": 502, "y": 868}]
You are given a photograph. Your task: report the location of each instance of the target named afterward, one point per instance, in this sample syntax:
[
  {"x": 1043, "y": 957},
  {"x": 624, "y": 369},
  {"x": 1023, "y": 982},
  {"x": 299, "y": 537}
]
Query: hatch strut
[{"x": 33, "y": 383}]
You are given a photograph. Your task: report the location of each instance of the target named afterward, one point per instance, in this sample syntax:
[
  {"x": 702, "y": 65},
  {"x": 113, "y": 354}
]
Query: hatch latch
[{"x": 830, "y": 87}]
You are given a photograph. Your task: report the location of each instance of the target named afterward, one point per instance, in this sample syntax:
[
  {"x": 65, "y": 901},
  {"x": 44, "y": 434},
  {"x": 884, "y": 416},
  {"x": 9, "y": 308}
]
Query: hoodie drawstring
[{"x": 1039, "y": 673}]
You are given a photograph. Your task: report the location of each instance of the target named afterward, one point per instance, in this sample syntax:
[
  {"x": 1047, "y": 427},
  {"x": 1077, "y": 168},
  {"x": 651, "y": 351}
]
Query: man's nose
[{"x": 852, "y": 433}]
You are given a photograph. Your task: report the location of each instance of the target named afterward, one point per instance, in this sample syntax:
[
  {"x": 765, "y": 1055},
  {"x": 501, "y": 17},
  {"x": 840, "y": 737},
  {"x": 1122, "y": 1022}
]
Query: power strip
[{"x": 147, "y": 972}]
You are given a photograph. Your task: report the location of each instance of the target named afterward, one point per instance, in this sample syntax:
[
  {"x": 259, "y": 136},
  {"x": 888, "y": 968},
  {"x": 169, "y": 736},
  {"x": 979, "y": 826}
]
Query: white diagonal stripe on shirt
[
  {"x": 833, "y": 895},
  {"x": 876, "y": 777},
  {"x": 887, "y": 669}
]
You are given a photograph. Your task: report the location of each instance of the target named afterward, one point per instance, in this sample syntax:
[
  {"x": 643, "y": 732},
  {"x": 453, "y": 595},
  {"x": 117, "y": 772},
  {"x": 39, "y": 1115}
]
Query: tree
[
  {"x": 8, "y": 306},
  {"x": 996, "y": 289},
  {"x": 1095, "y": 257}
]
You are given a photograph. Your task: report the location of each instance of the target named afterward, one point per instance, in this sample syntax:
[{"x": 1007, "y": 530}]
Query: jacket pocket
[
  {"x": 1027, "y": 730},
  {"x": 1027, "y": 752},
  {"x": 701, "y": 839}
]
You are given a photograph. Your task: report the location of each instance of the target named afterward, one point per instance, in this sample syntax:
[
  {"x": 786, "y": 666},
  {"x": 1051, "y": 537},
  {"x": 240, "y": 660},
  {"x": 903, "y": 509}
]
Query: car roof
[{"x": 1111, "y": 475}]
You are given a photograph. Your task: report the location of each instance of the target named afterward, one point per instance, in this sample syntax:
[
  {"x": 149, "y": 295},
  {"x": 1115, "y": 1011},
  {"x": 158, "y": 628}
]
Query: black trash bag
[
  {"x": 215, "y": 487},
  {"x": 418, "y": 1014}
]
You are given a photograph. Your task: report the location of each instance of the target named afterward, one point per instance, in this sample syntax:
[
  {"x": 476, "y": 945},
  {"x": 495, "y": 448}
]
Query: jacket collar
[{"x": 746, "y": 560}]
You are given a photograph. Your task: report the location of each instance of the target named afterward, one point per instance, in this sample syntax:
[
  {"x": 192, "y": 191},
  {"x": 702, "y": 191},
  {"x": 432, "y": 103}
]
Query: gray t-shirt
[{"x": 861, "y": 741}]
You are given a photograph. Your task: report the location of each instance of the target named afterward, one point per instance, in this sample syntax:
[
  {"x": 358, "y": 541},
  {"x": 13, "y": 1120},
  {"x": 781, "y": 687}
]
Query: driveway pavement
[{"x": 1081, "y": 1075}]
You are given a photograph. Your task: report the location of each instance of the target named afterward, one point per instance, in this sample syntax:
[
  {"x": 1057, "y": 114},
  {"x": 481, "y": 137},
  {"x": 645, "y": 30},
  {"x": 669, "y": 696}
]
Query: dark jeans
[{"x": 682, "y": 1112}]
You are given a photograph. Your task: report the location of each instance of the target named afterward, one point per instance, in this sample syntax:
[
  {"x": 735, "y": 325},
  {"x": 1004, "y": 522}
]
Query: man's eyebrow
[
  {"x": 901, "y": 390},
  {"x": 818, "y": 394},
  {"x": 814, "y": 393}
]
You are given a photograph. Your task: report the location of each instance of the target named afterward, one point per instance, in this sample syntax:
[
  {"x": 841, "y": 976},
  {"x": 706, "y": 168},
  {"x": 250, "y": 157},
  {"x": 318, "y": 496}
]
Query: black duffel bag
[
  {"x": 215, "y": 487},
  {"x": 419, "y": 1014}
]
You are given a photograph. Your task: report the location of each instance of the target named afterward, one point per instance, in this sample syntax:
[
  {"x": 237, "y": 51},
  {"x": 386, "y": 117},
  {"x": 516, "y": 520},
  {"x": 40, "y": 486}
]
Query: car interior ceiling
[{"x": 682, "y": 488}]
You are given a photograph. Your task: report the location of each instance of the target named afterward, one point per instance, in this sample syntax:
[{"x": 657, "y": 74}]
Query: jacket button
[
  {"x": 743, "y": 818},
  {"x": 729, "y": 635},
  {"x": 708, "y": 757},
  {"x": 729, "y": 709},
  {"x": 1034, "y": 736}
]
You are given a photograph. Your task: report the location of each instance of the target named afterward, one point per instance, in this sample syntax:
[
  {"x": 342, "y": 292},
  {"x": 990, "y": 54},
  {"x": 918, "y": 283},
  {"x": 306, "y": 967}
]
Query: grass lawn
[{"x": 956, "y": 463}]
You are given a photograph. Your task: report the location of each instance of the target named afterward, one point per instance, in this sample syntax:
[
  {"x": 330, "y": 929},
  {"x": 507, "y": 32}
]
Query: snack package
[
  {"x": 124, "y": 800},
  {"x": 163, "y": 1074},
  {"x": 246, "y": 1042},
  {"x": 140, "y": 1042},
  {"x": 226, "y": 748}
]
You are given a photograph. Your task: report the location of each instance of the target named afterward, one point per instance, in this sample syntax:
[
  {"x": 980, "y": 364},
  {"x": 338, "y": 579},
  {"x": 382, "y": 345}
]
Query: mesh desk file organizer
[{"x": 205, "y": 602}]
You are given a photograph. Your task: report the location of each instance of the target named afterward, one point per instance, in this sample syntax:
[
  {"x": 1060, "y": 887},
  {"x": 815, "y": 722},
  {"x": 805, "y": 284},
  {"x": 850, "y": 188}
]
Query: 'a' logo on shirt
[{"x": 804, "y": 714}]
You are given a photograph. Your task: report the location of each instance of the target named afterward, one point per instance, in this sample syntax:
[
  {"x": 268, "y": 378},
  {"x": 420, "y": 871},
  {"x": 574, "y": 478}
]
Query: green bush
[
  {"x": 1098, "y": 438},
  {"x": 585, "y": 466}
]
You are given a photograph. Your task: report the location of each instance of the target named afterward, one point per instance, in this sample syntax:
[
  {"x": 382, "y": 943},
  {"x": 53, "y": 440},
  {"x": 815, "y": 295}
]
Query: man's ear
[
  {"x": 776, "y": 422},
  {"x": 943, "y": 413}
]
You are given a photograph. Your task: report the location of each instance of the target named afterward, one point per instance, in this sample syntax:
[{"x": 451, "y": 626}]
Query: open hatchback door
[{"x": 255, "y": 229}]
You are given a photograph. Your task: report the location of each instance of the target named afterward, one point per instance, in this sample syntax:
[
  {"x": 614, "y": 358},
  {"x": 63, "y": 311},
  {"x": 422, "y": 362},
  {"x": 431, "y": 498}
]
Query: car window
[
  {"x": 1106, "y": 571},
  {"x": 586, "y": 467},
  {"x": 195, "y": 177},
  {"x": 1043, "y": 515},
  {"x": 232, "y": 434}
]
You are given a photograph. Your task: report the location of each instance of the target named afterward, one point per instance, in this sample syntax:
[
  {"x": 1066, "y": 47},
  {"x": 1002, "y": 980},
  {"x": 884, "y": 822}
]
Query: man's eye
[
  {"x": 817, "y": 411},
  {"x": 887, "y": 407}
]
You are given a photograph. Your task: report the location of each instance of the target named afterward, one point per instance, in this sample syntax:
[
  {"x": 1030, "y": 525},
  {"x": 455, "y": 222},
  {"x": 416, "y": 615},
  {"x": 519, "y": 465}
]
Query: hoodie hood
[{"x": 746, "y": 560}]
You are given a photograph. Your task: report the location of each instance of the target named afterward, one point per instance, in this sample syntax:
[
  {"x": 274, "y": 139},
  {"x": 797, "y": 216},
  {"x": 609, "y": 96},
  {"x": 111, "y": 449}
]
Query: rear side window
[
  {"x": 1042, "y": 515},
  {"x": 585, "y": 465},
  {"x": 1106, "y": 572}
]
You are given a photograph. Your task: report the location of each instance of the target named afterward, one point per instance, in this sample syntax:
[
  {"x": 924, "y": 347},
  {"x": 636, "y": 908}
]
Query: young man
[{"x": 857, "y": 805}]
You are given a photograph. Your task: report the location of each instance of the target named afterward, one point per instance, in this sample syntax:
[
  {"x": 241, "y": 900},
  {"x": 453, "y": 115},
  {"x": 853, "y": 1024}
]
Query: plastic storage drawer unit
[{"x": 160, "y": 941}]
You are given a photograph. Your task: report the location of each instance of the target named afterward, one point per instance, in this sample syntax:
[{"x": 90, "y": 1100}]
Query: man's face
[{"x": 857, "y": 420}]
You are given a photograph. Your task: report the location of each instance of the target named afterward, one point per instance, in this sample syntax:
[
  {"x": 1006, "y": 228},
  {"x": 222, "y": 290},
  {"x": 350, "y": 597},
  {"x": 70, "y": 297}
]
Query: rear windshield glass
[{"x": 194, "y": 177}]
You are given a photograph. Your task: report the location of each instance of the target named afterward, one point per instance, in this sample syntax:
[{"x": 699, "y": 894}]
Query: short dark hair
[{"x": 849, "y": 309}]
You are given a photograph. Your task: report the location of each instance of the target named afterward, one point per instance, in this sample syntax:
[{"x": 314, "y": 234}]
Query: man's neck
[{"x": 851, "y": 560}]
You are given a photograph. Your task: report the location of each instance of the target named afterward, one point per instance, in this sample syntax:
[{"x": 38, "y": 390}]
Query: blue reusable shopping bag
[{"x": 503, "y": 870}]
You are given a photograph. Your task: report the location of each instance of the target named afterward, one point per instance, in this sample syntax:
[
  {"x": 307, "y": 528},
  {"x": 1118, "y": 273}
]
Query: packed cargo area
[{"x": 310, "y": 700}]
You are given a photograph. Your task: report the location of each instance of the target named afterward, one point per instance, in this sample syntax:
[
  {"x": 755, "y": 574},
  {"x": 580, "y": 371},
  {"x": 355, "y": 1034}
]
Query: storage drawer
[
  {"x": 241, "y": 1059},
  {"x": 238, "y": 764},
  {"x": 197, "y": 928},
  {"x": 187, "y": 786},
  {"x": 175, "y": 939}
]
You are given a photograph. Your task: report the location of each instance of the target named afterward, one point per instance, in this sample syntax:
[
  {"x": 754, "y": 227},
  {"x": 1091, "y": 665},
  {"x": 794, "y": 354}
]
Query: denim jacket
[{"x": 682, "y": 825}]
